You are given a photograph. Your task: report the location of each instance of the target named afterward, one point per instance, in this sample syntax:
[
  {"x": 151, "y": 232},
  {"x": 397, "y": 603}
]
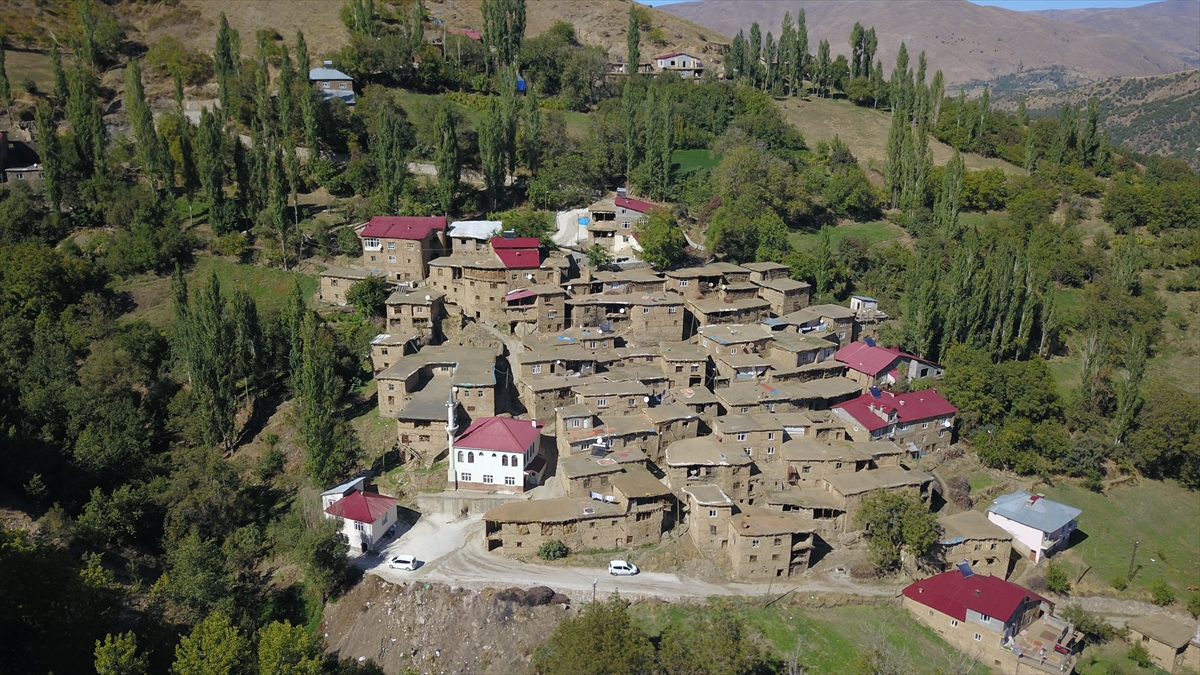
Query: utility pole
[
  {"x": 1132, "y": 557},
  {"x": 594, "y": 582}
]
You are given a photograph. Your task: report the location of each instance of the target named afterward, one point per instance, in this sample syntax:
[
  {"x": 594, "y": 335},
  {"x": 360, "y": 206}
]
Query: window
[
  {"x": 748, "y": 450},
  {"x": 592, "y": 344},
  {"x": 479, "y": 393},
  {"x": 712, "y": 513},
  {"x": 576, "y": 423},
  {"x": 805, "y": 469},
  {"x": 601, "y": 403},
  {"x": 645, "y": 310},
  {"x": 359, "y": 526},
  {"x": 683, "y": 282},
  {"x": 460, "y": 455},
  {"x": 488, "y": 478},
  {"x": 470, "y": 458},
  {"x": 391, "y": 245},
  {"x": 770, "y": 450},
  {"x": 741, "y": 436},
  {"x": 984, "y": 617},
  {"x": 503, "y": 460},
  {"x": 537, "y": 368},
  {"x": 733, "y": 350},
  {"x": 391, "y": 258},
  {"x": 633, "y": 403},
  {"x": 551, "y": 314},
  {"x": 509, "y": 480},
  {"x": 671, "y": 310},
  {"x": 465, "y": 477},
  {"x": 770, "y": 435},
  {"x": 778, "y": 541},
  {"x": 978, "y": 637},
  {"x": 391, "y": 387},
  {"x": 371, "y": 244},
  {"x": 754, "y": 543},
  {"x": 745, "y": 409},
  {"x": 925, "y": 425},
  {"x": 383, "y": 351},
  {"x": 712, "y": 529},
  {"x": 333, "y": 282},
  {"x": 420, "y": 310},
  {"x": 954, "y": 623},
  {"x": 372, "y": 258},
  {"x": 695, "y": 368},
  {"x": 409, "y": 246},
  {"x": 837, "y": 465}
]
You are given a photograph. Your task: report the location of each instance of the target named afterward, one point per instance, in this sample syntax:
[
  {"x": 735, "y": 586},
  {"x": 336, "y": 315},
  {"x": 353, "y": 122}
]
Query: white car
[
  {"x": 622, "y": 568},
  {"x": 403, "y": 562}
]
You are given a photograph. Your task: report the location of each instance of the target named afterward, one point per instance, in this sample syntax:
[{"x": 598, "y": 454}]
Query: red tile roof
[
  {"x": 911, "y": 407},
  {"x": 520, "y": 259},
  {"x": 635, "y": 205},
  {"x": 473, "y": 34},
  {"x": 364, "y": 507},
  {"x": 516, "y": 242},
  {"x": 953, "y": 594},
  {"x": 519, "y": 294},
  {"x": 502, "y": 434},
  {"x": 871, "y": 360},
  {"x": 403, "y": 227}
]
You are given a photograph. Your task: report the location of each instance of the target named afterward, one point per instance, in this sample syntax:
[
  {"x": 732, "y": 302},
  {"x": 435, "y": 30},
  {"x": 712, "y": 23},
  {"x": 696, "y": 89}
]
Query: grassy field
[
  {"x": 829, "y": 639},
  {"x": 865, "y": 131},
  {"x": 268, "y": 286},
  {"x": 1110, "y": 658},
  {"x": 874, "y": 232},
  {"x": 1161, "y": 515},
  {"x": 690, "y": 160}
]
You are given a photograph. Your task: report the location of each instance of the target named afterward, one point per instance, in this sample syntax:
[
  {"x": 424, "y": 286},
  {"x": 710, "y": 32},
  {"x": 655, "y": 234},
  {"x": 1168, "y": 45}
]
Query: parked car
[
  {"x": 622, "y": 568},
  {"x": 403, "y": 562}
]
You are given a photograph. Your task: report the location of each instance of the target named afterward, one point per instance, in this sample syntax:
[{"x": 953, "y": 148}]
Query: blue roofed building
[
  {"x": 332, "y": 83},
  {"x": 1038, "y": 525}
]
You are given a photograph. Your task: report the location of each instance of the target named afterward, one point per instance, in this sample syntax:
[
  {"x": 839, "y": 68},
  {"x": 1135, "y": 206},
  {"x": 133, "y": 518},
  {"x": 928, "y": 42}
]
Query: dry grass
[{"x": 865, "y": 131}]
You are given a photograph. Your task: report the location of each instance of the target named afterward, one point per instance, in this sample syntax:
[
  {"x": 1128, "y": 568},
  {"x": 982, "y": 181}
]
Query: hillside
[
  {"x": 964, "y": 40},
  {"x": 1146, "y": 114},
  {"x": 1173, "y": 25}
]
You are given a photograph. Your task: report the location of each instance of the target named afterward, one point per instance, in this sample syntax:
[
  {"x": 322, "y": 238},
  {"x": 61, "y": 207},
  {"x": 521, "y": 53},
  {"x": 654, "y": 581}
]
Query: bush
[
  {"x": 552, "y": 550},
  {"x": 1092, "y": 625},
  {"x": 1193, "y": 606},
  {"x": 1140, "y": 655},
  {"x": 1161, "y": 593},
  {"x": 1057, "y": 580},
  {"x": 369, "y": 296},
  {"x": 1119, "y": 582},
  {"x": 169, "y": 56},
  {"x": 233, "y": 245}
]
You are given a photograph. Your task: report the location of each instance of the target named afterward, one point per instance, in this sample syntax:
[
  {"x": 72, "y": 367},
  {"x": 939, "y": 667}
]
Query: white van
[{"x": 622, "y": 568}]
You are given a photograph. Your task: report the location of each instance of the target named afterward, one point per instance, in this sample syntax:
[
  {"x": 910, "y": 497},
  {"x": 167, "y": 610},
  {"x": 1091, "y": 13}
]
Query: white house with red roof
[
  {"x": 686, "y": 65},
  {"x": 873, "y": 366},
  {"x": 497, "y": 454},
  {"x": 401, "y": 247},
  {"x": 918, "y": 421},
  {"x": 366, "y": 516},
  {"x": 1008, "y": 627}
]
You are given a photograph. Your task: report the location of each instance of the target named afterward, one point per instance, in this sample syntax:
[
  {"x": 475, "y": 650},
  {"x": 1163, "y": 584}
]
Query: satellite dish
[
  {"x": 645, "y": 399},
  {"x": 622, "y": 310},
  {"x": 428, "y": 298}
]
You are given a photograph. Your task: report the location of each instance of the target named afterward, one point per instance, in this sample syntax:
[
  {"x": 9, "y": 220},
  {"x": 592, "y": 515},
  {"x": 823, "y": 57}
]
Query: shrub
[
  {"x": 1092, "y": 625},
  {"x": 552, "y": 550},
  {"x": 369, "y": 296},
  {"x": 1119, "y": 582},
  {"x": 1161, "y": 593},
  {"x": 1193, "y": 605},
  {"x": 169, "y": 56},
  {"x": 1057, "y": 580},
  {"x": 233, "y": 245},
  {"x": 1140, "y": 655}
]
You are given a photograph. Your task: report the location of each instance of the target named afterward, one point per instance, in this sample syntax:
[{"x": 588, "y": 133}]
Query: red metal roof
[
  {"x": 870, "y": 360},
  {"x": 911, "y": 407},
  {"x": 516, "y": 242},
  {"x": 403, "y": 227},
  {"x": 502, "y": 434},
  {"x": 364, "y": 507},
  {"x": 667, "y": 56},
  {"x": 473, "y": 34},
  {"x": 519, "y": 294},
  {"x": 520, "y": 259},
  {"x": 635, "y": 205},
  {"x": 953, "y": 594}
]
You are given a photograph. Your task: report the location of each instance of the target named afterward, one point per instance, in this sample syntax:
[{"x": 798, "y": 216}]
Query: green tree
[
  {"x": 151, "y": 152},
  {"x": 54, "y": 173},
  {"x": 390, "y": 146},
  {"x": 117, "y": 655},
  {"x": 601, "y": 640},
  {"x": 446, "y": 156},
  {"x": 949, "y": 201},
  {"x": 214, "y": 647},
  {"x": 5, "y": 87},
  {"x": 369, "y": 296},
  {"x": 599, "y": 257},
  {"x": 1057, "y": 579},
  {"x": 552, "y": 550},
  {"x": 633, "y": 38},
  {"x": 896, "y": 521},
  {"x": 662, "y": 240},
  {"x": 1138, "y": 653},
  {"x": 491, "y": 154},
  {"x": 532, "y": 138},
  {"x": 712, "y": 643},
  {"x": 227, "y": 62},
  {"x": 319, "y": 391},
  {"x": 284, "y": 649},
  {"x": 1161, "y": 592},
  {"x": 800, "y": 69},
  {"x": 503, "y": 29}
]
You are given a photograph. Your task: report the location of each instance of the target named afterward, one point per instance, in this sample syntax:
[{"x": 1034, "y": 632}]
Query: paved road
[{"x": 451, "y": 550}]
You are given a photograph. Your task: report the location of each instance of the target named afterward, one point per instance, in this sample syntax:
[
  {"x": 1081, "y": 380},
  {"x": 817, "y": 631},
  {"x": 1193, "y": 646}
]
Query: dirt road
[{"x": 451, "y": 550}]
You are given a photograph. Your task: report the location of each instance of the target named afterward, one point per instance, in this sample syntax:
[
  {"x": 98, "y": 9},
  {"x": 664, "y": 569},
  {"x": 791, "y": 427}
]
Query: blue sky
[{"x": 1019, "y": 5}]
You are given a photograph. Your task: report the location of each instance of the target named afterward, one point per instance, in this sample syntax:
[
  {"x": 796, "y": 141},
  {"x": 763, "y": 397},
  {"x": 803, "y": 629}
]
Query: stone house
[
  {"x": 469, "y": 372},
  {"x": 832, "y": 319},
  {"x": 759, "y": 544},
  {"x": 919, "y": 421},
  {"x": 784, "y": 296},
  {"x": 1173, "y": 646},
  {"x": 400, "y": 247},
  {"x": 809, "y": 461},
  {"x": 817, "y": 509},
  {"x": 469, "y": 239},
  {"x": 416, "y": 313},
  {"x": 386, "y": 349},
  {"x": 851, "y": 488},
  {"x": 496, "y": 454},
  {"x": 672, "y": 422},
  {"x": 706, "y": 460},
  {"x": 1004, "y": 625},
  {"x": 335, "y": 281},
  {"x": 421, "y": 426},
  {"x": 734, "y": 340},
  {"x": 614, "y": 222},
  {"x": 873, "y": 366},
  {"x": 637, "y": 319},
  {"x": 759, "y": 436},
  {"x": 547, "y": 359},
  {"x": 686, "y": 365},
  {"x": 537, "y": 309},
  {"x": 332, "y": 83},
  {"x": 688, "y": 67},
  {"x": 541, "y": 396},
  {"x": 971, "y": 538},
  {"x": 633, "y": 281},
  {"x": 583, "y": 474},
  {"x": 820, "y": 425},
  {"x": 800, "y": 358},
  {"x": 518, "y": 528},
  {"x": 699, "y": 399},
  {"x": 767, "y": 271},
  {"x": 1038, "y": 526},
  {"x": 626, "y": 397}
]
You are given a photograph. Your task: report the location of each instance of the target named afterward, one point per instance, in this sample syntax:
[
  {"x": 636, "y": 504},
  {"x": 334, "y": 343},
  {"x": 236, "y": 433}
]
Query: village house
[
  {"x": 919, "y": 421},
  {"x": 704, "y": 460},
  {"x": 809, "y": 461},
  {"x": 332, "y": 83},
  {"x": 613, "y": 222},
  {"x": 685, "y": 65},
  {"x": 672, "y": 422},
  {"x": 416, "y": 314},
  {"x": 818, "y": 510},
  {"x": 623, "y": 397},
  {"x": 421, "y": 426},
  {"x": 1173, "y": 646},
  {"x": 1038, "y": 525},
  {"x": 759, "y": 544},
  {"x": 400, "y": 247},
  {"x": 873, "y": 366},
  {"x": 751, "y": 397},
  {"x": 850, "y": 489},
  {"x": 971, "y": 538},
  {"x": 732, "y": 340},
  {"x": 699, "y": 399},
  {"x": 800, "y": 358},
  {"x": 582, "y": 474},
  {"x": 496, "y": 454},
  {"x": 686, "y": 365},
  {"x": 386, "y": 349},
  {"x": 1004, "y": 625},
  {"x": 335, "y": 281},
  {"x": 366, "y": 517},
  {"x": 635, "y": 281},
  {"x": 468, "y": 239},
  {"x": 19, "y": 159},
  {"x": 695, "y": 283},
  {"x": 545, "y": 360},
  {"x": 759, "y": 436},
  {"x": 537, "y": 309},
  {"x": 540, "y": 396},
  {"x": 724, "y": 307},
  {"x": 832, "y": 319},
  {"x": 784, "y": 295},
  {"x": 636, "y": 319},
  {"x": 820, "y": 425},
  {"x": 467, "y": 372},
  {"x": 518, "y": 529}
]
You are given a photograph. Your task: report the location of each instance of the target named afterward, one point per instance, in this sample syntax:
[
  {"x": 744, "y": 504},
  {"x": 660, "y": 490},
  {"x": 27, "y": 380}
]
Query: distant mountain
[
  {"x": 967, "y": 42},
  {"x": 1173, "y": 25}
]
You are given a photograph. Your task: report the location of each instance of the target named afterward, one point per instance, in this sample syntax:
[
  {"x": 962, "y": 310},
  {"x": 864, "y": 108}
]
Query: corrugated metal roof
[{"x": 1042, "y": 514}]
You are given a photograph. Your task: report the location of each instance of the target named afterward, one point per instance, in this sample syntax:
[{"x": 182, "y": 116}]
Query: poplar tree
[
  {"x": 210, "y": 150},
  {"x": 150, "y": 150},
  {"x": 870, "y": 44},
  {"x": 446, "y": 159},
  {"x": 286, "y": 98},
  {"x": 770, "y": 55},
  {"x": 208, "y": 349},
  {"x": 788, "y": 55},
  {"x": 248, "y": 345},
  {"x": 61, "y": 87},
  {"x": 5, "y": 87},
  {"x": 894, "y": 168},
  {"x": 753, "y": 54},
  {"x": 821, "y": 69},
  {"x": 659, "y": 141},
  {"x": 633, "y": 39},
  {"x": 737, "y": 52},
  {"x": 87, "y": 121},
  {"x": 1022, "y": 113},
  {"x": 302, "y": 59},
  {"x": 900, "y": 85},
  {"x": 800, "y": 68},
  {"x": 629, "y": 108},
  {"x": 390, "y": 154},
  {"x": 921, "y": 92},
  {"x": 227, "y": 60},
  {"x": 879, "y": 89},
  {"x": 857, "y": 49},
  {"x": 491, "y": 154},
  {"x": 503, "y": 29},
  {"x": 277, "y": 194},
  {"x": 318, "y": 392},
  {"x": 949, "y": 201},
  {"x": 510, "y": 117},
  {"x": 937, "y": 92},
  {"x": 50, "y": 148},
  {"x": 533, "y": 133},
  {"x": 1089, "y": 140}
]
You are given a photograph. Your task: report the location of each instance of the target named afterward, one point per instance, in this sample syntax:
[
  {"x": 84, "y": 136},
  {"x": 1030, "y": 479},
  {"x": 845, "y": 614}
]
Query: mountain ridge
[{"x": 1173, "y": 23}]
